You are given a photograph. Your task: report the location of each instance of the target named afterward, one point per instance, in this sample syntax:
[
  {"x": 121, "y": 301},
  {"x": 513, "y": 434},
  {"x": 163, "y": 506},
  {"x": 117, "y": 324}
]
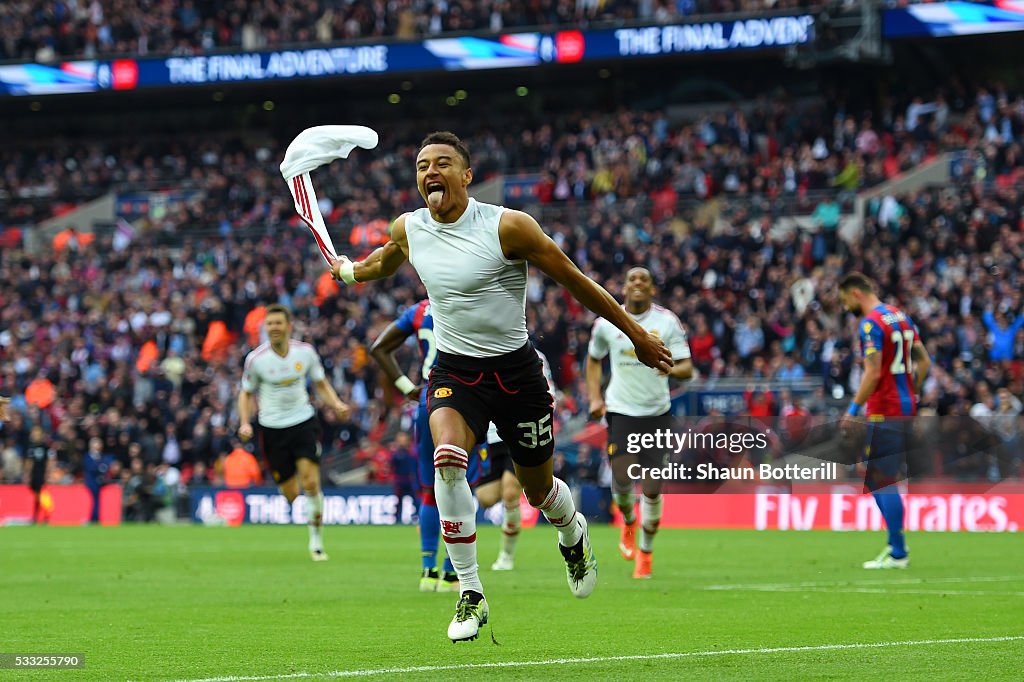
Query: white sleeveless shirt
[{"x": 477, "y": 296}]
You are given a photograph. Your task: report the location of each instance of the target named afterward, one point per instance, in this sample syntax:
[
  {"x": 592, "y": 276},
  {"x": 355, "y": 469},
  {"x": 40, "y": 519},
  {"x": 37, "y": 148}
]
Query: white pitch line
[
  {"x": 608, "y": 659},
  {"x": 843, "y": 589},
  {"x": 853, "y": 583}
]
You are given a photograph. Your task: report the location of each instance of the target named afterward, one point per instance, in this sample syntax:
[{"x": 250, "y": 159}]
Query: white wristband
[
  {"x": 347, "y": 272},
  {"x": 404, "y": 384}
]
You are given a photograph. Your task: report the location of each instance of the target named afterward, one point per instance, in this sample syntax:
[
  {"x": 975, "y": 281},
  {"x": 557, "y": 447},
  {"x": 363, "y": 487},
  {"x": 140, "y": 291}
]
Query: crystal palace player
[
  {"x": 289, "y": 429},
  {"x": 895, "y": 365},
  {"x": 418, "y": 320},
  {"x": 473, "y": 257}
]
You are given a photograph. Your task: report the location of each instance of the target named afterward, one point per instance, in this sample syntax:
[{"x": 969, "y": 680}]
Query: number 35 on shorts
[{"x": 535, "y": 434}]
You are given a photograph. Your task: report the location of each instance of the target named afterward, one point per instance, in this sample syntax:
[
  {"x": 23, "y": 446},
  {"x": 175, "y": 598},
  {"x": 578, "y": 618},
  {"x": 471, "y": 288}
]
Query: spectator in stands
[
  {"x": 588, "y": 466},
  {"x": 749, "y": 338},
  {"x": 199, "y": 475},
  {"x": 10, "y": 462},
  {"x": 241, "y": 470},
  {"x": 1002, "y": 330},
  {"x": 404, "y": 465},
  {"x": 826, "y": 217},
  {"x": 562, "y": 469},
  {"x": 984, "y": 407},
  {"x": 964, "y": 460},
  {"x": 1007, "y": 424},
  {"x": 377, "y": 460},
  {"x": 702, "y": 345},
  {"x": 791, "y": 370},
  {"x": 138, "y": 493},
  {"x": 795, "y": 419},
  {"x": 760, "y": 402}
]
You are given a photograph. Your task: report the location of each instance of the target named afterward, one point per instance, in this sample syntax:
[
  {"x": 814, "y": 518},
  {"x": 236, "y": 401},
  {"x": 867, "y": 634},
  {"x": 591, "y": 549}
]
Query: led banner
[
  {"x": 945, "y": 19},
  {"x": 41, "y": 79},
  {"x": 366, "y": 505},
  {"x": 514, "y": 50},
  {"x": 60, "y": 505},
  {"x": 369, "y": 505},
  {"x": 844, "y": 508}
]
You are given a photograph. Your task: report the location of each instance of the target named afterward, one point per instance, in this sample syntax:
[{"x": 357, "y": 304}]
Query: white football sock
[
  {"x": 458, "y": 513},
  {"x": 315, "y": 508},
  {"x": 560, "y": 511},
  {"x": 650, "y": 517},
  {"x": 625, "y": 500}
]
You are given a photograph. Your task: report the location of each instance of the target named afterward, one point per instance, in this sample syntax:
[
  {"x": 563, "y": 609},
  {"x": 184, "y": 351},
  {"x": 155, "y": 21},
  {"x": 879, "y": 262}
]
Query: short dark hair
[
  {"x": 450, "y": 139},
  {"x": 278, "y": 308},
  {"x": 859, "y": 281}
]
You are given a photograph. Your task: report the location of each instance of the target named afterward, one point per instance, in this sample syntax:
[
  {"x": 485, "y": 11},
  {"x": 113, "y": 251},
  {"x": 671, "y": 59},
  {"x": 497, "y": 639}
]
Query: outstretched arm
[
  {"x": 383, "y": 262},
  {"x": 522, "y": 238}
]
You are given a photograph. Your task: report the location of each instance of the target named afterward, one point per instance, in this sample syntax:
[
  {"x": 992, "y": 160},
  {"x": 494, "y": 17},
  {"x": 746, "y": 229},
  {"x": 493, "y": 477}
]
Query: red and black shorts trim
[
  {"x": 283, "y": 447},
  {"x": 509, "y": 390}
]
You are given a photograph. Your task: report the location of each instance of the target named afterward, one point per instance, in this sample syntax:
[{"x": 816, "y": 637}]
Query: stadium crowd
[
  {"x": 139, "y": 345},
  {"x": 141, "y": 348},
  {"x": 34, "y": 30},
  {"x": 773, "y": 154}
]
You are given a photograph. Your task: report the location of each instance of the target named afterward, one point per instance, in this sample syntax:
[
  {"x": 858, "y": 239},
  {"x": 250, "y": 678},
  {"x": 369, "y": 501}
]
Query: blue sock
[
  {"x": 891, "y": 505},
  {"x": 448, "y": 567},
  {"x": 430, "y": 530}
]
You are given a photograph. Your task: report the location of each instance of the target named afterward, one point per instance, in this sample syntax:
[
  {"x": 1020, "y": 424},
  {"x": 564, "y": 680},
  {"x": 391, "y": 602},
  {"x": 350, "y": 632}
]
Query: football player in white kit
[
  {"x": 472, "y": 258},
  {"x": 276, "y": 372},
  {"x": 637, "y": 401}
]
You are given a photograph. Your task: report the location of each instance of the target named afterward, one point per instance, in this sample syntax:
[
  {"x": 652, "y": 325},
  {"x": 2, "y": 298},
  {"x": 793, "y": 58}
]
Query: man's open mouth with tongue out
[{"x": 435, "y": 194}]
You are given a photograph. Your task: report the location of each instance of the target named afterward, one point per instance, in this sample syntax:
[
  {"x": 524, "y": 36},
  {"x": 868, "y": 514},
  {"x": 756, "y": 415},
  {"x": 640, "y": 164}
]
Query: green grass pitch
[{"x": 189, "y": 603}]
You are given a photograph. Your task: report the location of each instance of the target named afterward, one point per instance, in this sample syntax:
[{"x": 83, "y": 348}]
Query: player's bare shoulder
[
  {"x": 513, "y": 220},
  {"x": 519, "y": 234},
  {"x": 398, "y": 234}
]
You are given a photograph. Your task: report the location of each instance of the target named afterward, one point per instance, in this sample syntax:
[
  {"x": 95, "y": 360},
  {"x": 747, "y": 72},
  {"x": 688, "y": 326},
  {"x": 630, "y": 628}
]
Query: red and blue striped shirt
[{"x": 891, "y": 332}]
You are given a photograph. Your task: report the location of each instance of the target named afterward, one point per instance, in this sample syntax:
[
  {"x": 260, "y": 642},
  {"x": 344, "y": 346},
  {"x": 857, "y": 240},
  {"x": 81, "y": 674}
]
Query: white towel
[
  {"x": 312, "y": 148},
  {"x": 316, "y": 146}
]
